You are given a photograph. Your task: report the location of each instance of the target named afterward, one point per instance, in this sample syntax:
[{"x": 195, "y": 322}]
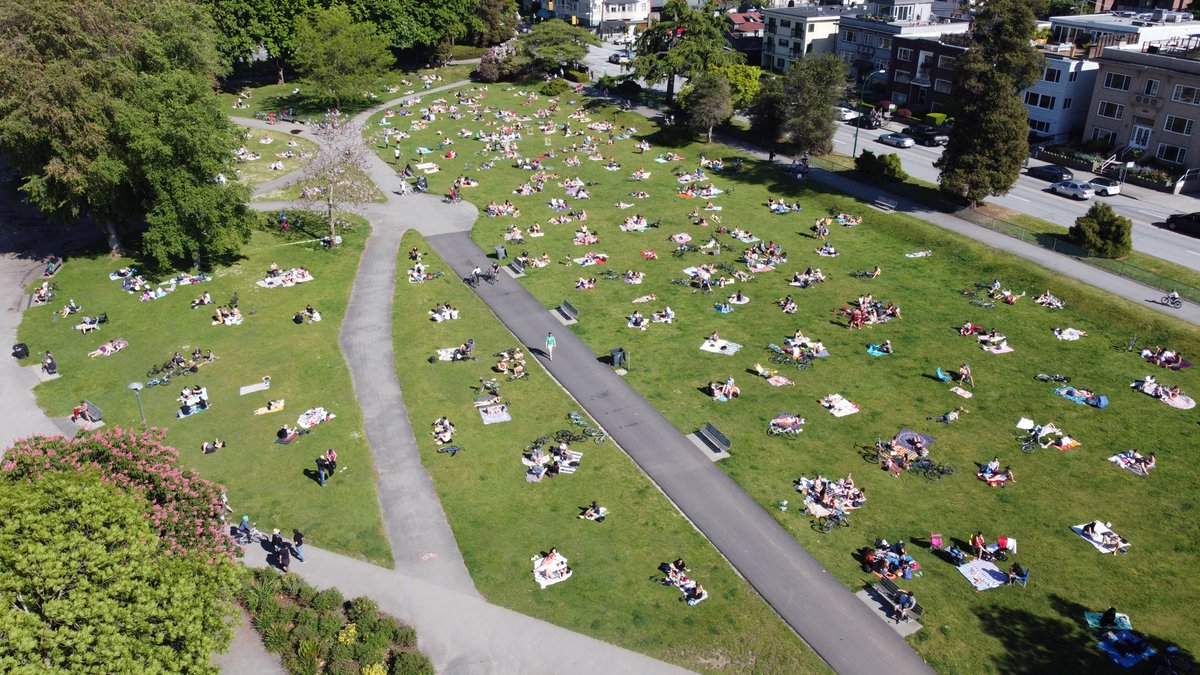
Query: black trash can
[
  {"x": 20, "y": 351},
  {"x": 501, "y": 253},
  {"x": 618, "y": 358}
]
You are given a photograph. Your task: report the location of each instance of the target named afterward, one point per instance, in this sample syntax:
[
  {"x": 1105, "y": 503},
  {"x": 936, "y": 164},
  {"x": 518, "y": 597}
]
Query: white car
[
  {"x": 845, "y": 114},
  {"x": 1075, "y": 189},
  {"x": 1105, "y": 187},
  {"x": 897, "y": 140}
]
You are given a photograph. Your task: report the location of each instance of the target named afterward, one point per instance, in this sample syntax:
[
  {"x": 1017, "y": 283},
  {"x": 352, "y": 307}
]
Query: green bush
[
  {"x": 411, "y": 663},
  {"x": 342, "y": 667},
  {"x": 365, "y": 653},
  {"x": 1103, "y": 233},
  {"x": 403, "y": 636},
  {"x": 329, "y": 624},
  {"x": 935, "y": 119},
  {"x": 555, "y": 87},
  {"x": 305, "y": 632},
  {"x": 306, "y": 618},
  {"x": 268, "y": 580},
  {"x": 341, "y": 651},
  {"x": 291, "y": 584},
  {"x": 276, "y": 639},
  {"x": 364, "y": 612},
  {"x": 330, "y": 598},
  {"x": 887, "y": 167},
  {"x": 577, "y": 76},
  {"x": 487, "y": 72},
  {"x": 306, "y": 595},
  {"x": 629, "y": 89}
]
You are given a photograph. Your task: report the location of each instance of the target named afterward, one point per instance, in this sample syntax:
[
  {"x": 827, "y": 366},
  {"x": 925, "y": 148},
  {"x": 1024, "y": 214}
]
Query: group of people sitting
[
  {"x": 43, "y": 294},
  {"x": 227, "y": 316},
  {"x": 443, "y": 312},
  {"x": 675, "y": 574},
  {"x": 1049, "y": 301},
  {"x": 764, "y": 253},
  {"x": 723, "y": 391},
  {"x": 584, "y": 237},
  {"x": 548, "y": 463},
  {"x": 834, "y": 495},
  {"x": 108, "y": 348},
  {"x": 443, "y": 431},
  {"x": 636, "y": 223},
  {"x": 192, "y": 400},
  {"x": 827, "y": 250},
  {"x": 1106, "y": 538},
  {"x": 1161, "y": 356},
  {"x": 511, "y": 361},
  {"x": 1004, "y": 295},
  {"x": 808, "y": 277},
  {"x": 801, "y": 346},
  {"x": 889, "y": 561},
  {"x": 781, "y": 207},
  {"x": 1150, "y": 386},
  {"x": 897, "y": 457},
  {"x": 1140, "y": 463},
  {"x": 531, "y": 261},
  {"x": 585, "y": 284},
  {"x": 505, "y": 209},
  {"x": 277, "y": 277},
  {"x": 870, "y": 311},
  {"x": 991, "y": 474}
]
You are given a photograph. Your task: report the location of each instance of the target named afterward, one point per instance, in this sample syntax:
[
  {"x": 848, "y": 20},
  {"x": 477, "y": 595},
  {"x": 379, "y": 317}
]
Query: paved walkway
[
  {"x": 464, "y": 635},
  {"x": 840, "y": 628}
]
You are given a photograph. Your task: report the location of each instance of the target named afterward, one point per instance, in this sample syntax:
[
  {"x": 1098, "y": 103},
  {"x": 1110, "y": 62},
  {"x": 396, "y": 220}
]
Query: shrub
[
  {"x": 287, "y": 614},
  {"x": 348, "y": 635},
  {"x": 364, "y": 612},
  {"x": 1103, "y": 233},
  {"x": 411, "y": 663},
  {"x": 403, "y": 636},
  {"x": 305, "y": 632},
  {"x": 903, "y": 113},
  {"x": 330, "y": 598},
  {"x": 375, "y": 669},
  {"x": 466, "y": 52},
  {"x": 340, "y": 651},
  {"x": 629, "y": 89},
  {"x": 487, "y": 72},
  {"x": 329, "y": 624},
  {"x": 364, "y": 653},
  {"x": 880, "y": 166},
  {"x": 342, "y": 667},
  {"x": 306, "y": 595},
  {"x": 306, "y": 618},
  {"x": 577, "y": 76},
  {"x": 935, "y": 119},
  {"x": 276, "y": 639},
  {"x": 555, "y": 87}
]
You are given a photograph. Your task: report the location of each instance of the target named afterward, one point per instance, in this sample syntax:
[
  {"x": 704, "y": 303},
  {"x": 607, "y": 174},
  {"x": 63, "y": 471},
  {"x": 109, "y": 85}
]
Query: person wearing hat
[
  {"x": 244, "y": 528},
  {"x": 277, "y": 542}
]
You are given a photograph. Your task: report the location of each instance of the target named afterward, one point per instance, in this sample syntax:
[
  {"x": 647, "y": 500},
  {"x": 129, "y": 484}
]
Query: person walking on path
[
  {"x": 550, "y": 342},
  {"x": 284, "y": 557},
  {"x": 298, "y": 544}
]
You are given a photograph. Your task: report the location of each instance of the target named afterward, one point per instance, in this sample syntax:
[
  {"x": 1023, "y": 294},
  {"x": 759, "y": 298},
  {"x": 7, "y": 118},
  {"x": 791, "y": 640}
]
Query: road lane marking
[{"x": 1021, "y": 198}]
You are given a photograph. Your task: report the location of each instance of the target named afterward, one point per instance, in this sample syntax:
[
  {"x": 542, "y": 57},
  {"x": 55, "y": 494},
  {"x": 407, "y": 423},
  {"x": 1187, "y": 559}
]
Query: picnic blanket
[
  {"x": 999, "y": 349},
  {"x": 188, "y": 411},
  {"x": 681, "y": 238},
  {"x": 779, "y": 381},
  {"x": 261, "y": 386},
  {"x": 907, "y": 436},
  {"x": 839, "y": 406},
  {"x": 495, "y": 414},
  {"x": 446, "y": 354},
  {"x": 266, "y": 411},
  {"x": 117, "y": 345},
  {"x": 1125, "y": 461},
  {"x": 599, "y": 259},
  {"x": 1098, "y": 544},
  {"x": 983, "y": 575},
  {"x": 723, "y": 309},
  {"x": 876, "y": 351},
  {"x": 919, "y": 254},
  {"x": 715, "y": 208},
  {"x": 572, "y": 465},
  {"x": 721, "y": 347},
  {"x": 760, "y": 269},
  {"x": 1093, "y": 620},
  {"x": 314, "y": 416},
  {"x": 660, "y": 160},
  {"x": 1126, "y": 649},
  {"x": 1182, "y": 402},
  {"x": 1072, "y": 394},
  {"x": 548, "y": 574},
  {"x": 962, "y": 392}
]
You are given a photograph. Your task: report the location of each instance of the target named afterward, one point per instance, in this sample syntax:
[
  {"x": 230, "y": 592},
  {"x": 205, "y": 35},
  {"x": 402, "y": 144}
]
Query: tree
[
  {"x": 768, "y": 109},
  {"x": 495, "y": 22},
  {"x": 418, "y": 24},
  {"x": 708, "y": 103},
  {"x": 337, "y": 179},
  {"x": 1102, "y": 232},
  {"x": 338, "y": 57},
  {"x": 555, "y": 44},
  {"x": 989, "y": 145},
  {"x": 744, "y": 83},
  {"x": 248, "y": 26},
  {"x": 686, "y": 43},
  {"x": 799, "y": 106},
  {"x": 87, "y": 587},
  {"x": 81, "y": 112}
]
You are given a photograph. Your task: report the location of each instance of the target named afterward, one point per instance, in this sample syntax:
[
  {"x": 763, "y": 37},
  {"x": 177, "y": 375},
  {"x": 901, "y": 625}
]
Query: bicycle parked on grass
[
  {"x": 586, "y": 427},
  {"x": 1061, "y": 379},
  {"x": 1173, "y": 662},
  {"x": 1029, "y": 443},
  {"x": 833, "y": 521},
  {"x": 931, "y": 470}
]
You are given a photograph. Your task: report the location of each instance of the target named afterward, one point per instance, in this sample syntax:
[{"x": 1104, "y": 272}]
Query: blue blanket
[
  {"x": 1070, "y": 394},
  {"x": 875, "y": 350}
]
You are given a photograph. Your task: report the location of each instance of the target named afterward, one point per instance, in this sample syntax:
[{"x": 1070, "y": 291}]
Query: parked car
[
  {"x": 928, "y": 135},
  {"x": 897, "y": 140},
  {"x": 1051, "y": 172},
  {"x": 1106, "y": 187},
  {"x": 866, "y": 122},
  {"x": 845, "y": 114},
  {"x": 619, "y": 58},
  {"x": 1185, "y": 223},
  {"x": 1074, "y": 189}
]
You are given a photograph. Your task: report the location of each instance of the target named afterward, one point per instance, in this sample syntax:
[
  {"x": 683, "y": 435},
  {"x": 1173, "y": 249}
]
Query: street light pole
[
  {"x": 861, "y": 92},
  {"x": 137, "y": 391}
]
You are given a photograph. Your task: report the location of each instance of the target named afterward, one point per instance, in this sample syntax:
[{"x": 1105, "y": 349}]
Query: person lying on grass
[
  {"x": 952, "y": 417},
  {"x": 969, "y": 328}
]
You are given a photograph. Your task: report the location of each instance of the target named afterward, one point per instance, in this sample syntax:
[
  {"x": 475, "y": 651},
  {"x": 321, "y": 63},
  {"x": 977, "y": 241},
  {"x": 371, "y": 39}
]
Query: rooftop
[
  {"x": 1122, "y": 21},
  {"x": 810, "y": 11}
]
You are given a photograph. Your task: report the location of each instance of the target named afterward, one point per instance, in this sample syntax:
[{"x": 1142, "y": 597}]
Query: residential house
[
  {"x": 866, "y": 36},
  {"x": 1058, "y": 103},
  {"x": 796, "y": 32},
  {"x": 745, "y": 31},
  {"x": 1146, "y": 101},
  {"x": 924, "y": 72},
  {"x": 594, "y": 13}
]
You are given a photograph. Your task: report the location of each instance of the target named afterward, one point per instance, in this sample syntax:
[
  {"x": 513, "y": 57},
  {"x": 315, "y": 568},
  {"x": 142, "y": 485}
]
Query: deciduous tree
[
  {"x": 338, "y": 57},
  {"x": 768, "y": 110},
  {"x": 744, "y": 83},
  {"x": 495, "y": 22},
  {"x": 686, "y": 43},
  {"x": 798, "y": 107},
  {"x": 551, "y": 45},
  {"x": 989, "y": 145},
  {"x": 708, "y": 103},
  {"x": 337, "y": 180},
  {"x": 248, "y": 26}
]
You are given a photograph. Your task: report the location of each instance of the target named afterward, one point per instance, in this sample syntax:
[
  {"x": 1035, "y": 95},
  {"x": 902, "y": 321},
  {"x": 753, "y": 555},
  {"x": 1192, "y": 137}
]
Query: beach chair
[
  {"x": 1023, "y": 579},
  {"x": 942, "y": 377},
  {"x": 935, "y": 541}
]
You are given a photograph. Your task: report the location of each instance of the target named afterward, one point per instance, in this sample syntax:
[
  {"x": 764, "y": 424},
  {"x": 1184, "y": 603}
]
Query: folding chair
[
  {"x": 1024, "y": 580},
  {"x": 935, "y": 541},
  {"x": 942, "y": 377}
]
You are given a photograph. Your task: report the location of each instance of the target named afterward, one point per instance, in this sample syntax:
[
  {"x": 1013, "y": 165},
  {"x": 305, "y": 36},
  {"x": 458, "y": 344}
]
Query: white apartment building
[
  {"x": 1058, "y": 103},
  {"x": 592, "y": 13},
  {"x": 795, "y": 32}
]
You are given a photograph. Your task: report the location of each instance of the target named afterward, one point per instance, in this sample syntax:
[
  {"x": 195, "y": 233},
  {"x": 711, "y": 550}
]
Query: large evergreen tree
[
  {"x": 551, "y": 45},
  {"x": 989, "y": 145},
  {"x": 686, "y": 43},
  {"x": 1102, "y": 232}
]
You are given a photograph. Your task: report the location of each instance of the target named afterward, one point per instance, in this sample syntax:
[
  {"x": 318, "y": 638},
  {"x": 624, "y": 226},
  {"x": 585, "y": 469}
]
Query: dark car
[
  {"x": 866, "y": 122},
  {"x": 1051, "y": 172},
  {"x": 928, "y": 135},
  {"x": 1185, "y": 223}
]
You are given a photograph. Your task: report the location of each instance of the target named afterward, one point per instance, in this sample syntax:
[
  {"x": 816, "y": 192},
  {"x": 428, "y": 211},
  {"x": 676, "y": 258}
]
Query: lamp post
[
  {"x": 861, "y": 92},
  {"x": 137, "y": 391}
]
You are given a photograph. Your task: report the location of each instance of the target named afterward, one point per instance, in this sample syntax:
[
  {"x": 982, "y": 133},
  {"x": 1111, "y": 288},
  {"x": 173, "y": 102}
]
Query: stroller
[
  {"x": 466, "y": 351},
  {"x": 422, "y": 185}
]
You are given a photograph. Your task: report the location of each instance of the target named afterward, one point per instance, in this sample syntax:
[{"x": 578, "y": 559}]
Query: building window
[
  {"x": 902, "y": 77},
  {"x": 1039, "y": 126},
  {"x": 1151, "y": 89},
  {"x": 783, "y": 43},
  {"x": 785, "y": 24},
  {"x": 902, "y": 12},
  {"x": 1067, "y": 103},
  {"x": 808, "y": 49},
  {"x": 850, "y": 36},
  {"x": 1073, "y": 76},
  {"x": 866, "y": 39},
  {"x": 904, "y": 54},
  {"x": 885, "y": 42},
  {"x": 947, "y": 62},
  {"x": 1052, "y": 75},
  {"x": 779, "y": 63},
  {"x": 1171, "y": 153},
  {"x": 1105, "y": 135},
  {"x": 1113, "y": 111},
  {"x": 1189, "y": 95},
  {"x": 1039, "y": 100},
  {"x": 941, "y": 86},
  {"x": 1178, "y": 125},
  {"x": 1117, "y": 81}
]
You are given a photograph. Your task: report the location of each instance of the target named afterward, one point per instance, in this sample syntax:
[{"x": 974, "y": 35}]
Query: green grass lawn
[
  {"x": 483, "y": 491},
  {"x": 965, "y": 631},
  {"x": 256, "y": 172},
  {"x": 265, "y": 480},
  {"x": 295, "y": 190}
]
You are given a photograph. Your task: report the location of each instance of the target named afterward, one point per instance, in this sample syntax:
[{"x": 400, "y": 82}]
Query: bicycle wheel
[
  {"x": 933, "y": 475},
  {"x": 947, "y": 469},
  {"x": 828, "y": 523},
  {"x": 1029, "y": 447},
  {"x": 844, "y": 521},
  {"x": 563, "y": 436},
  {"x": 871, "y": 456},
  {"x": 803, "y": 364}
]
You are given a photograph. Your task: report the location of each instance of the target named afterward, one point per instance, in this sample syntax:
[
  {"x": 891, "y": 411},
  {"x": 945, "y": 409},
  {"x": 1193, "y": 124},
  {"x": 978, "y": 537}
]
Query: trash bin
[
  {"x": 619, "y": 359},
  {"x": 501, "y": 253}
]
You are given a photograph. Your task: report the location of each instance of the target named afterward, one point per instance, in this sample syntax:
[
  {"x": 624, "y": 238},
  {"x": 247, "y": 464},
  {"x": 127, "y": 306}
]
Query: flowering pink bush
[{"x": 185, "y": 509}]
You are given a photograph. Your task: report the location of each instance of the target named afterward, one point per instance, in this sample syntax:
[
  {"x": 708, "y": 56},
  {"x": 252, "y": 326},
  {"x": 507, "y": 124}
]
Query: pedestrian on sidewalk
[
  {"x": 277, "y": 542},
  {"x": 771, "y": 157},
  {"x": 284, "y": 557},
  {"x": 298, "y": 544},
  {"x": 550, "y": 342}
]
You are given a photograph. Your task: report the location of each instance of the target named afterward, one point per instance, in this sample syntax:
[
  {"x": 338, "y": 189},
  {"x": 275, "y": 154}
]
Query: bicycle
[
  {"x": 1171, "y": 301},
  {"x": 933, "y": 472},
  {"x": 780, "y": 432},
  {"x": 577, "y": 419},
  {"x": 1061, "y": 379},
  {"x": 246, "y": 537},
  {"x": 874, "y": 454},
  {"x": 517, "y": 376},
  {"x": 1173, "y": 662},
  {"x": 154, "y": 382},
  {"x": 833, "y": 521},
  {"x": 596, "y": 435},
  {"x": 983, "y": 304},
  {"x": 487, "y": 386},
  {"x": 568, "y": 436},
  {"x": 1029, "y": 444}
]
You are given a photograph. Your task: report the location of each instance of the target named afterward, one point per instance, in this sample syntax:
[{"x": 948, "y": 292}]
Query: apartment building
[
  {"x": 1146, "y": 100},
  {"x": 1125, "y": 27},
  {"x": 865, "y": 39},
  {"x": 593, "y": 13},
  {"x": 923, "y": 71},
  {"x": 795, "y": 32},
  {"x": 1058, "y": 103}
]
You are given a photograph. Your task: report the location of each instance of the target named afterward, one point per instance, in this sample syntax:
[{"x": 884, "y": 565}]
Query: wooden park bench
[
  {"x": 714, "y": 438},
  {"x": 568, "y": 312},
  {"x": 891, "y": 593},
  {"x": 884, "y": 204}
]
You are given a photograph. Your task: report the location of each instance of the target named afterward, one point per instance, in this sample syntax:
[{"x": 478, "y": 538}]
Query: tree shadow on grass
[{"x": 1041, "y": 644}]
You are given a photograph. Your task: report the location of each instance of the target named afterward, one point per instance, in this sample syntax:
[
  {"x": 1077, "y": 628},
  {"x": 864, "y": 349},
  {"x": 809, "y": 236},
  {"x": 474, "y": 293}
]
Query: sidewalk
[
  {"x": 463, "y": 634},
  {"x": 841, "y": 629}
]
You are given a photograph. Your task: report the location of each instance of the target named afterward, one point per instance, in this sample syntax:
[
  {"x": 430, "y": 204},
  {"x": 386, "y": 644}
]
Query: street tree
[
  {"x": 708, "y": 103},
  {"x": 337, "y": 181},
  {"x": 87, "y": 586},
  {"x": 744, "y": 83},
  {"x": 338, "y": 57},
  {"x": 1102, "y": 232},
  {"x": 798, "y": 107},
  {"x": 989, "y": 145},
  {"x": 109, "y": 113},
  {"x": 687, "y": 43},
  {"x": 768, "y": 110},
  {"x": 555, "y": 44}
]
